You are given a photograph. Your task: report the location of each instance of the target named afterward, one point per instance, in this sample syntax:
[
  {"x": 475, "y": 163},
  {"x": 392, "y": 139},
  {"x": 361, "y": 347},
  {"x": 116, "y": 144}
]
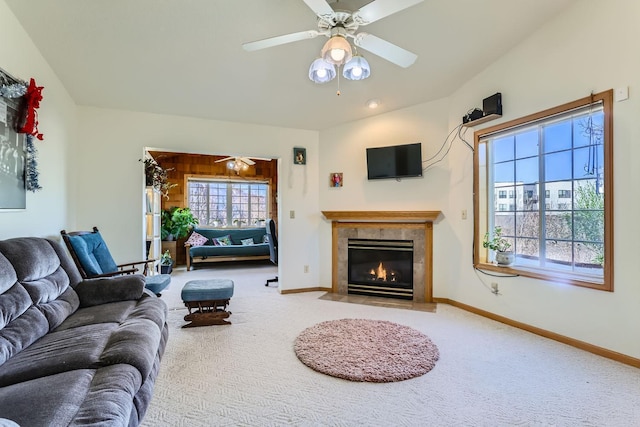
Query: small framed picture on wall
[
  {"x": 299, "y": 156},
  {"x": 335, "y": 179}
]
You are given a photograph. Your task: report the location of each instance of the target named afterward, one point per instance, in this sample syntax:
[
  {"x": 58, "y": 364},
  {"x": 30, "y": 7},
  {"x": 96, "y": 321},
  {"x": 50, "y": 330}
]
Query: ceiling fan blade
[
  {"x": 278, "y": 40},
  {"x": 322, "y": 9},
  {"x": 385, "y": 50},
  {"x": 379, "y": 9},
  {"x": 247, "y": 161},
  {"x": 224, "y": 160}
]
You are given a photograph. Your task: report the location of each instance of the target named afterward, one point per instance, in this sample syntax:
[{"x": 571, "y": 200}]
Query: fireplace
[
  {"x": 382, "y": 268},
  {"x": 412, "y": 226}
]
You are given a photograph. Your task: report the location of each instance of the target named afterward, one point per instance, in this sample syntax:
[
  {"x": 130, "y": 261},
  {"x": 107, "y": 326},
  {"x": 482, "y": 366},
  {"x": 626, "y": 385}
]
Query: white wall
[
  {"x": 47, "y": 210},
  {"x": 344, "y": 150},
  {"x": 110, "y": 178},
  {"x": 587, "y": 48}
]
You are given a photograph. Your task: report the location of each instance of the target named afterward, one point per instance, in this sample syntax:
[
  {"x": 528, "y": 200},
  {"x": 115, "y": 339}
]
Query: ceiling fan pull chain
[{"x": 338, "y": 73}]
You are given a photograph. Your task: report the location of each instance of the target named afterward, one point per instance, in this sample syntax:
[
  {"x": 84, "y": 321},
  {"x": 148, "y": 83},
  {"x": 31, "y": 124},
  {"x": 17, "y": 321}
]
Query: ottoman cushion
[
  {"x": 207, "y": 290},
  {"x": 157, "y": 283}
]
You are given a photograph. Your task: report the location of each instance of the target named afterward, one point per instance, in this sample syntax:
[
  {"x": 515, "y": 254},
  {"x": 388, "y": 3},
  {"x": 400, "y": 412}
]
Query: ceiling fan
[
  {"x": 340, "y": 26},
  {"x": 239, "y": 163}
]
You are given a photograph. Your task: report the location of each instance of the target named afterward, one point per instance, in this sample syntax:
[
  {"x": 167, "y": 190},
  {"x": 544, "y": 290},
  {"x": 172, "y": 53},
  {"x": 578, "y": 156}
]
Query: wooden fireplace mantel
[{"x": 402, "y": 216}]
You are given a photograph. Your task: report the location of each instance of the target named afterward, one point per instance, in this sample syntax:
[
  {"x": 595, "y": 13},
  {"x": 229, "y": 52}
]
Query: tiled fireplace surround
[{"x": 393, "y": 225}]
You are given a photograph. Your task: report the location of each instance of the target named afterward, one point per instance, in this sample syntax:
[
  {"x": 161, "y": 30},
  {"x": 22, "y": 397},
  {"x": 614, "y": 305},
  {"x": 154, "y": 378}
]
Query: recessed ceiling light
[{"x": 373, "y": 103}]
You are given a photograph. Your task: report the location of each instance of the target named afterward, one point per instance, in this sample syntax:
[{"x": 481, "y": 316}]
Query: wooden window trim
[{"x": 606, "y": 282}]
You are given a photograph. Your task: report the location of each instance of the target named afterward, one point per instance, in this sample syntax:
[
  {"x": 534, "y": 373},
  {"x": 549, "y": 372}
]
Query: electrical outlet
[
  {"x": 494, "y": 287},
  {"x": 292, "y": 214},
  {"x": 306, "y": 268}
]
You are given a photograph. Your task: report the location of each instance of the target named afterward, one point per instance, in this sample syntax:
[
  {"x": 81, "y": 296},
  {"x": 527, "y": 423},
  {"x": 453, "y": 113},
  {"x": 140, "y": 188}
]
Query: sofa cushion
[
  {"x": 105, "y": 290},
  {"x": 115, "y": 312},
  {"x": 222, "y": 241},
  {"x": 81, "y": 397},
  {"x": 261, "y": 249},
  {"x": 135, "y": 343},
  {"x": 56, "y": 352},
  {"x": 48, "y": 401},
  {"x": 21, "y": 332},
  {"x": 196, "y": 239},
  {"x": 247, "y": 242}
]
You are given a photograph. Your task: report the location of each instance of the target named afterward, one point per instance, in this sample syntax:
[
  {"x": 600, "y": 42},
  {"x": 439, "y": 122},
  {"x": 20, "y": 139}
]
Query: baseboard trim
[
  {"x": 300, "y": 290},
  {"x": 600, "y": 351}
]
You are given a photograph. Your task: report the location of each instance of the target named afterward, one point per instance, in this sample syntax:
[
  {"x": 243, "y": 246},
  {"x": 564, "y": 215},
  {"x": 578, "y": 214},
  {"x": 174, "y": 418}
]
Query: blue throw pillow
[{"x": 93, "y": 254}]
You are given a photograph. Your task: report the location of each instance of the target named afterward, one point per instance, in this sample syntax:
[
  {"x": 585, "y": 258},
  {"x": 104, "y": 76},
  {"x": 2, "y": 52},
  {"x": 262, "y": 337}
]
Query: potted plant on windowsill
[{"x": 500, "y": 245}]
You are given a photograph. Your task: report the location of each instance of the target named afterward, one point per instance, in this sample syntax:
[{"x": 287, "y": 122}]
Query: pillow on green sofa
[
  {"x": 247, "y": 242},
  {"x": 222, "y": 240},
  {"x": 196, "y": 239}
]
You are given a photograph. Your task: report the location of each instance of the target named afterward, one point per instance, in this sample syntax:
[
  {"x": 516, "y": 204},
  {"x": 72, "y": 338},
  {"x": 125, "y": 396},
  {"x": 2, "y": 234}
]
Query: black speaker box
[{"x": 492, "y": 105}]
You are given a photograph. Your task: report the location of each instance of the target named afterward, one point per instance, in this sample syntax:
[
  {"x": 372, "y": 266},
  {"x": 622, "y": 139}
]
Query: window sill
[{"x": 548, "y": 275}]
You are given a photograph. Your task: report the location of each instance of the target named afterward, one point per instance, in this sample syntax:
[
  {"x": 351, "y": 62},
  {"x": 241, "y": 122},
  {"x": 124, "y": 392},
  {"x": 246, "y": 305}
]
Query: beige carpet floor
[{"x": 489, "y": 374}]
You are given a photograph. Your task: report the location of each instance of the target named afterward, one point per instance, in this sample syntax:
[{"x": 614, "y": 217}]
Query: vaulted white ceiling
[{"x": 184, "y": 57}]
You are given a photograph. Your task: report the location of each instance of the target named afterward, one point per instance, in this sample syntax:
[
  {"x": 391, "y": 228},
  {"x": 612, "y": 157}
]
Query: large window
[
  {"x": 565, "y": 154},
  {"x": 228, "y": 204}
]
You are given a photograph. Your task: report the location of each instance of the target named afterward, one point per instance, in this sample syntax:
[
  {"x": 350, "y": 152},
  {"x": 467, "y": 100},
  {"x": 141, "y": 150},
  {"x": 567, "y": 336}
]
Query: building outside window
[
  {"x": 228, "y": 204},
  {"x": 502, "y": 194},
  {"x": 564, "y": 151}
]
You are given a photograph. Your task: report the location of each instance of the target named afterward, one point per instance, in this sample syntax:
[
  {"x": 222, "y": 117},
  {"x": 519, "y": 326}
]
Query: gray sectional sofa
[
  {"x": 236, "y": 251},
  {"x": 73, "y": 351}
]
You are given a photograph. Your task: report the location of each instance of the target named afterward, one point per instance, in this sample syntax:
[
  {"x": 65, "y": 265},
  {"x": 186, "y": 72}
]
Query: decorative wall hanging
[
  {"x": 299, "y": 156},
  {"x": 18, "y": 127},
  {"x": 335, "y": 179}
]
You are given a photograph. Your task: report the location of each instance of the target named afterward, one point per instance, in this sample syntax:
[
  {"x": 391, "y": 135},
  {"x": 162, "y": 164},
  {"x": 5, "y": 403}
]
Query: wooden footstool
[{"x": 209, "y": 299}]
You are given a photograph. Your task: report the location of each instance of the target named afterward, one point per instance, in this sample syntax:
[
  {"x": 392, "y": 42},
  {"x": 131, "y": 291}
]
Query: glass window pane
[
  {"x": 557, "y": 136},
  {"x": 527, "y": 224},
  {"x": 503, "y": 173},
  {"x": 559, "y": 253},
  {"x": 589, "y": 256},
  {"x": 527, "y": 251},
  {"x": 588, "y": 129},
  {"x": 507, "y": 222},
  {"x": 589, "y": 226},
  {"x": 588, "y": 161},
  {"x": 588, "y": 195},
  {"x": 527, "y": 170},
  {"x": 558, "y": 225},
  {"x": 502, "y": 149},
  {"x": 527, "y": 144},
  {"x": 557, "y": 166}
]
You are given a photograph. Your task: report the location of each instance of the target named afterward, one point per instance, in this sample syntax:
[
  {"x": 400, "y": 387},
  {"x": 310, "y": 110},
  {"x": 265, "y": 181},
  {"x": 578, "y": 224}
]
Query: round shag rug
[{"x": 366, "y": 350}]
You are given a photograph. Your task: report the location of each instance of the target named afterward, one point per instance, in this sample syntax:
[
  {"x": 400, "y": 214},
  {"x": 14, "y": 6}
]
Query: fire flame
[{"x": 380, "y": 273}]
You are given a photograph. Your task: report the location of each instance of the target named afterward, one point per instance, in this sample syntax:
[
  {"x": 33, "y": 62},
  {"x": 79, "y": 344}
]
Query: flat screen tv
[{"x": 398, "y": 161}]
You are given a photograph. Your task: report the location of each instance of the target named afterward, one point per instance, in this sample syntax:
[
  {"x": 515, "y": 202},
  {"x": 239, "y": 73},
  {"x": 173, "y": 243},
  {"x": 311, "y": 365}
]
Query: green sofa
[{"x": 236, "y": 251}]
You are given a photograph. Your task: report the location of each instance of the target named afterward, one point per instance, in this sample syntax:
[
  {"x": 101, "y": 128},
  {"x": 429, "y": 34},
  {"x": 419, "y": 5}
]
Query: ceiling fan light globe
[
  {"x": 356, "y": 69},
  {"x": 321, "y": 71},
  {"x": 337, "y": 50}
]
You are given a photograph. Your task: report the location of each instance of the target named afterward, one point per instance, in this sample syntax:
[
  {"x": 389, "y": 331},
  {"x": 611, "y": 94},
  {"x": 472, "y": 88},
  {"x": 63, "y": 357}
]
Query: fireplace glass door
[{"x": 381, "y": 268}]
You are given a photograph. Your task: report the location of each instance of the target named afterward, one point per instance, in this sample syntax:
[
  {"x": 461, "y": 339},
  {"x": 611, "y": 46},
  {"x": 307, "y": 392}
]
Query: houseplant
[
  {"x": 176, "y": 223},
  {"x": 166, "y": 263},
  {"x": 157, "y": 177},
  {"x": 500, "y": 245}
]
